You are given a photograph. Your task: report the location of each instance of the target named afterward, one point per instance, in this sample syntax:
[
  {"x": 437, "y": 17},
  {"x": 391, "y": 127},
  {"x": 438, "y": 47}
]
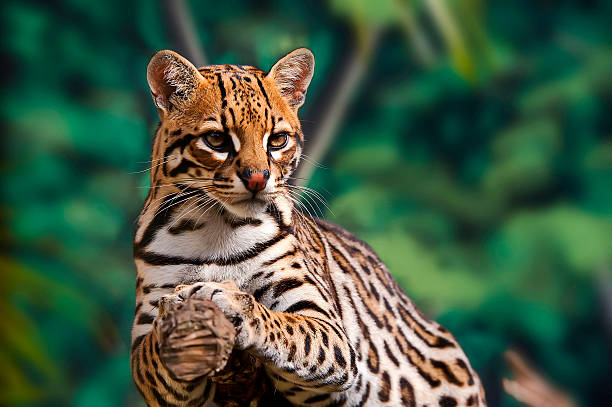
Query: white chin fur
[{"x": 245, "y": 209}]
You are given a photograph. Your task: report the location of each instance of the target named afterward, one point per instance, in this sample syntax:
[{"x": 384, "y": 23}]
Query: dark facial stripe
[
  {"x": 222, "y": 89},
  {"x": 263, "y": 91},
  {"x": 183, "y": 167},
  {"x": 233, "y": 116},
  {"x": 182, "y": 143},
  {"x": 224, "y": 122}
]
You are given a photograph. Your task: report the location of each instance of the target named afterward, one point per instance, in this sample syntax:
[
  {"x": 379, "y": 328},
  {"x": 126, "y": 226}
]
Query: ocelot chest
[{"x": 200, "y": 248}]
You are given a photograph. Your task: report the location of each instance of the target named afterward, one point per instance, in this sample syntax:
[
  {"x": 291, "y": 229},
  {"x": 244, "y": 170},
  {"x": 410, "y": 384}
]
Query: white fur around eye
[
  {"x": 201, "y": 144},
  {"x": 219, "y": 156},
  {"x": 276, "y": 154},
  {"x": 236, "y": 141},
  {"x": 265, "y": 141}
]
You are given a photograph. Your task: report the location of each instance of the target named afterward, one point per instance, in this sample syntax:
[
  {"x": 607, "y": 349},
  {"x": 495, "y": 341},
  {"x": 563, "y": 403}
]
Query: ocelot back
[{"x": 309, "y": 300}]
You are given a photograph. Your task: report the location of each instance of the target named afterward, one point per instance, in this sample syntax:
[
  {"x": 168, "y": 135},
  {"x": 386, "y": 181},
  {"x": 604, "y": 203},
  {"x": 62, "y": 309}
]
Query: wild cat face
[{"x": 230, "y": 132}]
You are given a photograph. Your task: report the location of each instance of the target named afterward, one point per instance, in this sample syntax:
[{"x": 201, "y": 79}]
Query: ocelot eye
[
  {"x": 217, "y": 141},
  {"x": 278, "y": 141}
]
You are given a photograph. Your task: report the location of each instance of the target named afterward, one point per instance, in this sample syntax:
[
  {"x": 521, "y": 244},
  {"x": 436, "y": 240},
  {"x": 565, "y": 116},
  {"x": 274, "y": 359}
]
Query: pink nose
[{"x": 255, "y": 181}]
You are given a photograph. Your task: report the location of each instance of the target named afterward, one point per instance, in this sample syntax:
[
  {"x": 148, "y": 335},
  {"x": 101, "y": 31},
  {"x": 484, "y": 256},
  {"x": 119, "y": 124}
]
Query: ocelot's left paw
[{"x": 238, "y": 306}]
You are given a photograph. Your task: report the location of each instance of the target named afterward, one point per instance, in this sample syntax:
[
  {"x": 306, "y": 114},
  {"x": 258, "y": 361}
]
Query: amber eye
[
  {"x": 278, "y": 141},
  {"x": 217, "y": 141}
]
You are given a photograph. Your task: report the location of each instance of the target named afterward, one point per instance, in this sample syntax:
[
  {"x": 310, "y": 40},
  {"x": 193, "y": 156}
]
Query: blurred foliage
[{"x": 476, "y": 158}]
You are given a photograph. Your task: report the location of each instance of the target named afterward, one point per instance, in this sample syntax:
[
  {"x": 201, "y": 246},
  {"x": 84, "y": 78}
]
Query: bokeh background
[{"x": 469, "y": 143}]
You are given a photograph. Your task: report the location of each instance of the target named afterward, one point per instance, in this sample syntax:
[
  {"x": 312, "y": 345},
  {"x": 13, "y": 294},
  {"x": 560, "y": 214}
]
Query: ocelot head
[{"x": 229, "y": 131}]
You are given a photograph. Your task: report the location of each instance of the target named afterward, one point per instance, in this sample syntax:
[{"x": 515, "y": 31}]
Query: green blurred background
[{"x": 470, "y": 144}]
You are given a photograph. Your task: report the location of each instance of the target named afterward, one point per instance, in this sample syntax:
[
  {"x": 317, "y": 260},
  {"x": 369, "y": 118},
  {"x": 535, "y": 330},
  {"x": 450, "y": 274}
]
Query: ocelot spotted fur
[{"x": 309, "y": 300}]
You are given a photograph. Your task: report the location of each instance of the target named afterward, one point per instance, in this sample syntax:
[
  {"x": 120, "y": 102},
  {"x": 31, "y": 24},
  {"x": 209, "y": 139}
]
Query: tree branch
[
  {"x": 183, "y": 32},
  {"x": 531, "y": 388},
  {"x": 332, "y": 106}
]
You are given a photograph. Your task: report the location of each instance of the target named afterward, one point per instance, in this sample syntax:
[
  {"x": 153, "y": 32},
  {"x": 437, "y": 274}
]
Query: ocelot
[{"x": 309, "y": 300}]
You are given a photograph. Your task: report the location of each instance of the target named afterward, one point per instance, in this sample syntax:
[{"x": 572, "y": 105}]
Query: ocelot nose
[{"x": 254, "y": 181}]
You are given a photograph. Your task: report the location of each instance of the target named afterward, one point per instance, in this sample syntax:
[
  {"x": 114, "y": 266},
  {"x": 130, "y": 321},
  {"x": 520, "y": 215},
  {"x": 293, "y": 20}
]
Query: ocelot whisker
[
  {"x": 166, "y": 159},
  {"x": 211, "y": 202},
  {"x": 182, "y": 192},
  {"x": 313, "y": 162},
  {"x": 315, "y": 195},
  {"x": 193, "y": 206},
  {"x": 173, "y": 202}
]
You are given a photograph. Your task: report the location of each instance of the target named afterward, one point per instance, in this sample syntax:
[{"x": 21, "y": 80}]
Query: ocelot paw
[
  {"x": 238, "y": 306},
  {"x": 195, "y": 337}
]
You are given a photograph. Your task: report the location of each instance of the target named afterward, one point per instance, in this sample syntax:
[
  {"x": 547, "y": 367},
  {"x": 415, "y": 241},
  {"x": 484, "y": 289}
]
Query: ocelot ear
[
  {"x": 173, "y": 80},
  {"x": 292, "y": 75}
]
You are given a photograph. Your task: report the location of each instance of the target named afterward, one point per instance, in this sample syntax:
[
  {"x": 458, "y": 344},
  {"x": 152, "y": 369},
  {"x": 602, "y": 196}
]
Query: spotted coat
[{"x": 311, "y": 301}]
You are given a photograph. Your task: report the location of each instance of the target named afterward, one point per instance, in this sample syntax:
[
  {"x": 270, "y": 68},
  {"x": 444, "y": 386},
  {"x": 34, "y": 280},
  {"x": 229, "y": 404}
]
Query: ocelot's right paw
[{"x": 195, "y": 337}]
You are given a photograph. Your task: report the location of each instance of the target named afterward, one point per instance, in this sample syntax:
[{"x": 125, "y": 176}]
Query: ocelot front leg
[
  {"x": 158, "y": 385},
  {"x": 305, "y": 345}
]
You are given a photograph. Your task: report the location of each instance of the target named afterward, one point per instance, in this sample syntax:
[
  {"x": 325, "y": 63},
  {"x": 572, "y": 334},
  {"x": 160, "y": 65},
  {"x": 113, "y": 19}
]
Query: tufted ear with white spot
[
  {"x": 292, "y": 75},
  {"x": 173, "y": 80}
]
